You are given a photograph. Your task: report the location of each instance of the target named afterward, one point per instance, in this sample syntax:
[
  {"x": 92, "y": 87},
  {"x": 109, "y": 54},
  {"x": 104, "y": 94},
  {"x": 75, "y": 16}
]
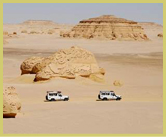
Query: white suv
[
  {"x": 108, "y": 95},
  {"x": 53, "y": 96}
]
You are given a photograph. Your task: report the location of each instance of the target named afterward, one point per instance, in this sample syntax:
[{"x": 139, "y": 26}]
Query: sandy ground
[{"x": 139, "y": 65}]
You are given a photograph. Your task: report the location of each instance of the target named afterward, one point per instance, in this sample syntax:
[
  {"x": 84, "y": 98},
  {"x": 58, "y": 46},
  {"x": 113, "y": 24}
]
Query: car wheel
[
  {"x": 52, "y": 99},
  {"x": 118, "y": 99},
  {"x": 99, "y": 97},
  {"x": 66, "y": 99},
  {"x": 46, "y": 98},
  {"x": 105, "y": 99}
]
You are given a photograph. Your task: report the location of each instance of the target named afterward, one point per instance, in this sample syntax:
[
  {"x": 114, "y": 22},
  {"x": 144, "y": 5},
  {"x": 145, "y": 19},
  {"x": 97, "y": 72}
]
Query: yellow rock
[
  {"x": 11, "y": 102},
  {"x": 66, "y": 63},
  {"x": 160, "y": 35},
  {"x": 117, "y": 83}
]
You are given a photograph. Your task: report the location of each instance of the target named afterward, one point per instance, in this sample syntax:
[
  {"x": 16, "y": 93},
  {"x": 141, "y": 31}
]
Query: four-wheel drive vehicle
[
  {"x": 108, "y": 95},
  {"x": 53, "y": 96}
]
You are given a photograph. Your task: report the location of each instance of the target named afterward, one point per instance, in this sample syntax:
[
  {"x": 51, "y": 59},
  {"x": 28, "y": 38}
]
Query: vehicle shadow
[
  {"x": 54, "y": 101},
  {"x": 105, "y": 100}
]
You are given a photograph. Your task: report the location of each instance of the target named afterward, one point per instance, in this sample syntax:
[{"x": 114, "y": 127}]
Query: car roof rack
[
  {"x": 107, "y": 91},
  {"x": 54, "y": 91},
  {"x": 49, "y": 91}
]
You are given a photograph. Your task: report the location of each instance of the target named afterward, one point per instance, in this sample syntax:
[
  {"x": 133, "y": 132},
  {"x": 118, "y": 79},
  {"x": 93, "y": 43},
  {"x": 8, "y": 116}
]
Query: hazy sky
[{"x": 72, "y": 13}]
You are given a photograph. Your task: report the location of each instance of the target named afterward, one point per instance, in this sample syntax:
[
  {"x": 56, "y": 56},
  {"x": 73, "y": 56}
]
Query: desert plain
[{"x": 136, "y": 64}]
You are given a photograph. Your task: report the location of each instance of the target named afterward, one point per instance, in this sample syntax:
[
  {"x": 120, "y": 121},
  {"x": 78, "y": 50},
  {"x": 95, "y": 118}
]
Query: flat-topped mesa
[
  {"x": 39, "y": 22},
  {"x": 107, "y": 27},
  {"x": 107, "y": 19}
]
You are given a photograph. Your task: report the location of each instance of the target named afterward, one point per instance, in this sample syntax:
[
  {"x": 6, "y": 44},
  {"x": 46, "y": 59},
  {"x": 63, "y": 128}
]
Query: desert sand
[{"x": 137, "y": 64}]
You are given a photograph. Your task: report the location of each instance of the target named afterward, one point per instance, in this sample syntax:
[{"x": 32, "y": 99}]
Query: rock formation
[
  {"x": 11, "y": 102},
  {"x": 66, "y": 63},
  {"x": 14, "y": 33},
  {"x": 5, "y": 33},
  {"x": 160, "y": 35},
  {"x": 51, "y": 31},
  {"x": 39, "y": 22},
  {"x": 117, "y": 83},
  {"x": 27, "y": 66},
  {"x": 34, "y": 32},
  {"x": 5, "y": 36},
  {"x": 9, "y": 35},
  {"x": 107, "y": 27},
  {"x": 152, "y": 29},
  {"x": 24, "y": 31}
]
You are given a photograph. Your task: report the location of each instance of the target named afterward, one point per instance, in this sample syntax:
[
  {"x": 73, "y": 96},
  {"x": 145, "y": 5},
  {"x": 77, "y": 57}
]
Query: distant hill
[
  {"x": 150, "y": 25},
  {"x": 39, "y": 22}
]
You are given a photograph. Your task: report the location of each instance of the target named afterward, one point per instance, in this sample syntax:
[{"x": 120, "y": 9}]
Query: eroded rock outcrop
[
  {"x": 27, "y": 66},
  {"x": 66, "y": 63},
  {"x": 11, "y": 102},
  {"x": 107, "y": 27}
]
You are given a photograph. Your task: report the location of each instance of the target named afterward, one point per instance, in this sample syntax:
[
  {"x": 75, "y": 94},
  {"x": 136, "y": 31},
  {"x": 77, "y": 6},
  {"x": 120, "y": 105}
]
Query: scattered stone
[
  {"x": 24, "y": 31},
  {"x": 34, "y": 32},
  {"x": 160, "y": 35},
  {"x": 14, "y": 33},
  {"x": 117, "y": 83}
]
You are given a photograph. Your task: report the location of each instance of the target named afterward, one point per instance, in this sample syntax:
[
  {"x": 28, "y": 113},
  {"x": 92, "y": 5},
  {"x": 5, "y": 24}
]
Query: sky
[{"x": 72, "y": 13}]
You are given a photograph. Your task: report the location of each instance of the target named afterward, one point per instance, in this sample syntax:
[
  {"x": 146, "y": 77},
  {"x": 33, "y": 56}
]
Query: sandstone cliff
[{"x": 107, "y": 27}]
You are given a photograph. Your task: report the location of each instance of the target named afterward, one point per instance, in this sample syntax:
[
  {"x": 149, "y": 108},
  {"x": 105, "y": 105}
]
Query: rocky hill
[{"x": 107, "y": 27}]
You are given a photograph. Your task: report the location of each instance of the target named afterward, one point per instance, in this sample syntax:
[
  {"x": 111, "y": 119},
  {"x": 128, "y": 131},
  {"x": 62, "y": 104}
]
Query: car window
[
  {"x": 113, "y": 94},
  {"x": 59, "y": 95},
  {"x": 50, "y": 94}
]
